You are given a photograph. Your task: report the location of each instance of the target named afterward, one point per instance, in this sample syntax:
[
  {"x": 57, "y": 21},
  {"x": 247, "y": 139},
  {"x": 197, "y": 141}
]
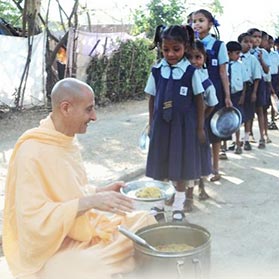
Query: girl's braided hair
[
  {"x": 211, "y": 19},
  {"x": 180, "y": 33}
]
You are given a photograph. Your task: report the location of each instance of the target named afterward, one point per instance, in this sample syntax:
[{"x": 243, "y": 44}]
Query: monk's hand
[{"x": 110, "y": 201}]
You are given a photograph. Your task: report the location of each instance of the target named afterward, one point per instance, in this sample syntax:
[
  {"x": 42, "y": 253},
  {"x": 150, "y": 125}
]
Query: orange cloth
[{"x": 45, "y": 179}]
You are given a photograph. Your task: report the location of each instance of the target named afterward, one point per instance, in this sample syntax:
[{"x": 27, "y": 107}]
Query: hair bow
[{"x": 215, "y": 22}]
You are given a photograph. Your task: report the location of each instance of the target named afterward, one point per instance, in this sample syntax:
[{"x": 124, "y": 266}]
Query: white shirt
[
  {"x": 209, "y": 95},
  {"x": 178, "y": 71}
]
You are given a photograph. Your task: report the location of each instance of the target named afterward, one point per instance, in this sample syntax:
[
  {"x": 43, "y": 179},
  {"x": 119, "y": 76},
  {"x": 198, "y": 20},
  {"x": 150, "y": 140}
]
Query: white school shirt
[
  {"x": 178, "y": 71},
  {"x": 209, "y": 95},
  {"x": 208, "y": 43},
  {"x": 238, "y": 76},
  {"x": 266, "y": 59},
  {"x": 274, "y": 60},
  {"x": 252, "y": 66}
]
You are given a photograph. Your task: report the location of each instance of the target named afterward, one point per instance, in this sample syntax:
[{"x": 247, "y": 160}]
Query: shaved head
[
  {"x": 68, "y": 89},
  {"x": 72, "y": 104}
]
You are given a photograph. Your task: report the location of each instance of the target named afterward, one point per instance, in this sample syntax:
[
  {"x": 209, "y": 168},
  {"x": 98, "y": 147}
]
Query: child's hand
[{"x": 228, "y": 102}]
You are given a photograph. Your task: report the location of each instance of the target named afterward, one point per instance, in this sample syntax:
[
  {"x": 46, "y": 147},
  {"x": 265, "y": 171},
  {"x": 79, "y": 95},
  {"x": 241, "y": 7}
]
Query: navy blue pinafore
[
  {"x": 214, "y": 75},
  {"x": 174, "y": 149}
]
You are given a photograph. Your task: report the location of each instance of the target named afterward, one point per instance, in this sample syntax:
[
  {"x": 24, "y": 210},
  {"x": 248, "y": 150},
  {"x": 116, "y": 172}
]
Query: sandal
[
  {"x": 272, "y": 126},
  {"x": 203, "y": 195},
  {"x": 223, "y": 155},
  {"x": 216, "y": 176},
  {"x": 170, "y": 201},
  {"x": 261, "y": 144},
  {"x": 178, "y": 216},
  {"x": 159, "y": 214},
  {"x": 268, "y": 140},
  {"x": 232, "y": 146},
  {"x": 238, "y": 150},
  {"x": 188, "y": 205}
]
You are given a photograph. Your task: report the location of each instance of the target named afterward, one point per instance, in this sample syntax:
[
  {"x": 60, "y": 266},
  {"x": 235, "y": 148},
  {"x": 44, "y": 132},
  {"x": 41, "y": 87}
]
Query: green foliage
[
  {"x": 122, "y": 75},
  {"x": 158, "y": 12},
  {"x": 10, "y": 13},
  {"x": 216, "y": 7}
]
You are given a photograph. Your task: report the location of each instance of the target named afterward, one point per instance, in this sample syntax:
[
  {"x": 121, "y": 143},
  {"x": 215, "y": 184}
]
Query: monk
[{"x": 56, "y": 225}]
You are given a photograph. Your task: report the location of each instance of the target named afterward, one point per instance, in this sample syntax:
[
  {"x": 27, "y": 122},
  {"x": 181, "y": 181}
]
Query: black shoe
[
  {"x": 232, "y": 146},
  {"x": 178, "y": 216},
  {"x": 247, "y": 146},
  {"x": 272, "y": 126},
  {"x": 159, "y": 214},
  {"x": 261, "y": 144}
]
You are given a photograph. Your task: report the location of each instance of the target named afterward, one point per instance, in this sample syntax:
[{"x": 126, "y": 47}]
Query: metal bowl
[
  {"x": 225, "y": 122},
  {"x": 131, "y": 188}
]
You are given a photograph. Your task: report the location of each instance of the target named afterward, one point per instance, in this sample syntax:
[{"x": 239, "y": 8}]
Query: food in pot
[
  {"x": 174, "y": 247},
  {"x": 149, "y": 193}
]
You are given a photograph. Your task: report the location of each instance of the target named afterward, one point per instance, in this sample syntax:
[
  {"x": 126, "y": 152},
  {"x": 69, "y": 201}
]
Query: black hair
[
  {"x": 233, "y": 46},
  {"x": 251, "y": 31},
  {"x": 241, "y": 37},
  {"x": 276, "y": 41},
  {"x": 157, "y": 41},
  {"x": 198, "y": 45},
  {"x": 270, "y": 38},
  {"x": 212, "y": 19},
  {"x": 189, "y": 18},
  {"x": 181, "y": 33},
  {"x": 264, "y": 34}
]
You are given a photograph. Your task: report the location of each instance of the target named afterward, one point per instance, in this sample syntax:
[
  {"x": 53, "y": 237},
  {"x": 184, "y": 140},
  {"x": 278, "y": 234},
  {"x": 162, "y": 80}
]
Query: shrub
[{"x": 122, "y": 75}]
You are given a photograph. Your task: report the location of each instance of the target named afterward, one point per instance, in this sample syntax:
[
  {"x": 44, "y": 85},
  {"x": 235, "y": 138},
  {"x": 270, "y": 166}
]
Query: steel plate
[
  {"x": 132, "y": 187},
  {"x": 225, "y": 122}
]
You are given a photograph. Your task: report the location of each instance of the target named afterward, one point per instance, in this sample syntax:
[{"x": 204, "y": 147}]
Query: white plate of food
[{"x": 148, "y": 190}]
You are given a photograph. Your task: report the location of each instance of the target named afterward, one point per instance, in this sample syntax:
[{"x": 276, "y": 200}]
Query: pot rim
[{"x": 193, "y": 251}]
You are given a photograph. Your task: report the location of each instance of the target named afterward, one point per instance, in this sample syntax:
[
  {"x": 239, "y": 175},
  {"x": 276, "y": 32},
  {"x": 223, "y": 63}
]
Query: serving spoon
[{"x": 136, "y": 238}]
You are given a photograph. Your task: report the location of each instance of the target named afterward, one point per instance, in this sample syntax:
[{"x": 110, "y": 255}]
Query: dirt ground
[{"x": 240, "y": 215}]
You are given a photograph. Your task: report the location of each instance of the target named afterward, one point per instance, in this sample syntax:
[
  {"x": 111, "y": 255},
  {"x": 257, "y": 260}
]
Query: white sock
[
  {"x": 179, "y": 200},
  {"x": 246, "y": 137},
  {"x": 159, "y": 204}
]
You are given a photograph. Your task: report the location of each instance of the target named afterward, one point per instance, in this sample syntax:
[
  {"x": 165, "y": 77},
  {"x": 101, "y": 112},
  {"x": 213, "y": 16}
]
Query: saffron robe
[{"x": 42, "y": 235}]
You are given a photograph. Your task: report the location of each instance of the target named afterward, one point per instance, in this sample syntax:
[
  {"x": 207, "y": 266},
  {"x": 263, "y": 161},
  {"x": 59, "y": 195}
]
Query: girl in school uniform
[
  {"x": 261, "y": 100},
  {"x": 197, "y": 56},
  {"x": 203, "y": 21},
  {"x": 253, "y": 71},
  {"x": 176, "y": 113}
]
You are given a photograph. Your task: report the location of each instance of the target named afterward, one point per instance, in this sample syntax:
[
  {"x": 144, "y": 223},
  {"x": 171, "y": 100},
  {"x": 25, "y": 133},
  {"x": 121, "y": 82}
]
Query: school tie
[
  {"x": 167, "y": 105},
  {"x": 230, "y": 75}
]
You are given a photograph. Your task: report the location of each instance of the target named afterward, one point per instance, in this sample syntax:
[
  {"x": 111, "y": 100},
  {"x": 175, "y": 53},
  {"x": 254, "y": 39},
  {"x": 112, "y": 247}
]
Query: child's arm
[
  {"x": 225, "y": 83},
  {"x": 263, "y": 64},
  {"x": 242, "y": 97},
  {"x": 271, "y": 88},
  {"x": 255, "y": 89},
  {"x": 208, "y": 111},
  {"x": 200, "y": 117},
  {"x": 151, "y": 109}
]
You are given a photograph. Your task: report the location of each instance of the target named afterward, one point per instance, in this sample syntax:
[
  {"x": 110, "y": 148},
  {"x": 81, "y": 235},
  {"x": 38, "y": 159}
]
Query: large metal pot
[{"x": 194, "y": 263}]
